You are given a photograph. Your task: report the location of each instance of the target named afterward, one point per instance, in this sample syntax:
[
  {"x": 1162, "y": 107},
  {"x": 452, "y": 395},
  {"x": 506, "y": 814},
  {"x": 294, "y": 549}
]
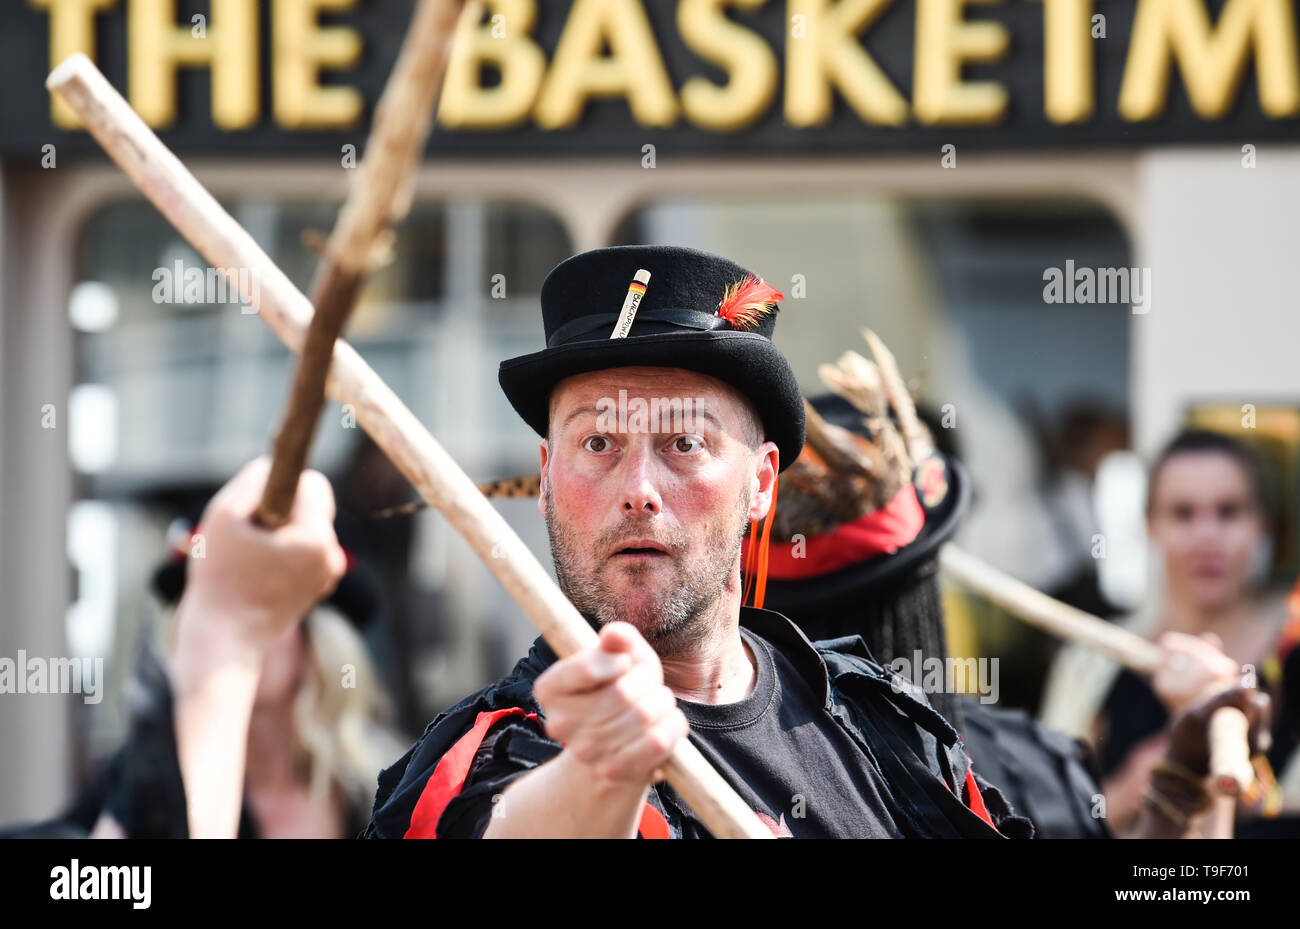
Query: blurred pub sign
[{"x": 735, "y": 78}]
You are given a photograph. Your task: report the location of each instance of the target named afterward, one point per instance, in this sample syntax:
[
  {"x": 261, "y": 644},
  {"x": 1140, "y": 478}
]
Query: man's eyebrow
[
  {"x": 574, "y": 414},
  {"x": 705, "y": 414},
  {"x": 697, "y": 413}
]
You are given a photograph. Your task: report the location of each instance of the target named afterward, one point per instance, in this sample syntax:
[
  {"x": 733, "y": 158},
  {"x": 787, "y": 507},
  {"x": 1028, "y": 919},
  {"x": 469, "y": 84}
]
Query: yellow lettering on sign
[
  {"x": 1068, "y": 94},
  {"x": 301, "y": 49},
  {"x": 72, "y": 30},
  {"x": 828, "y": 54},
  {"x": 750, "y": 64},
  {"x": 1212, "y": 59},
  {"x": 944, "y": 42},
  {"x": 506, "y": 44},
  {"x": 158, "y": 47},
  {"x": 633, "y": 69}
]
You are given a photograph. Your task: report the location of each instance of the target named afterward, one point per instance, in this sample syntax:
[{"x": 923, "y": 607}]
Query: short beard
[{"x": 675, "y": 622}]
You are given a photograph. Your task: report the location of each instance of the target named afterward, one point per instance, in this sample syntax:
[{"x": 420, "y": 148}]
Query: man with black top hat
[
  {"x": 646, "y": 515},
  {"x": 666, "y": 414},
  {"x": 289, "y": 733}
]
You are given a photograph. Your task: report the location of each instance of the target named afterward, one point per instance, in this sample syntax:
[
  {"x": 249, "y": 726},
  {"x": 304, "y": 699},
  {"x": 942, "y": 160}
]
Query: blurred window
[{"x": 177, "y": 385}]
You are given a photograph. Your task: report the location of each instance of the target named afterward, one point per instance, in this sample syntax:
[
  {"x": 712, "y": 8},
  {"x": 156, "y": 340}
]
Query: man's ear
[
  {"x": 544, "y": 451},
  {"x": 767, "y": 463}
]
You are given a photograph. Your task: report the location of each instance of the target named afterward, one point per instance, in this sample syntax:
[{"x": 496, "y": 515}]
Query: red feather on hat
[{"x": 747, "y": 301}]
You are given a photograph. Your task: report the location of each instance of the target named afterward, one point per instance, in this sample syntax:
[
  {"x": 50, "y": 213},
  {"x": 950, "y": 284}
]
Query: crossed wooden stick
[
  {"x": 329, "y": 365},
  {"x": 166, "y": 182},
  {"x": 1230, "y": 769}
]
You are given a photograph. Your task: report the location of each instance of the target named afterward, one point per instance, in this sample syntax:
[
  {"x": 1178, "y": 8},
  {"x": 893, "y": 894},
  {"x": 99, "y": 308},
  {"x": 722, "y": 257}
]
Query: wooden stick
[
  {"x": 216, "y": 236},
  {"x": 1228, "y": 745},
  {"x": 379, "y": 198},
  {"x": 1049, "y": 614},
  {"x": 1230, "y": 767}
]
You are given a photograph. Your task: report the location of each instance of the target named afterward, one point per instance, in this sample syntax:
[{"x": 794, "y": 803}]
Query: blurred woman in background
[
  {"x": 317, "y": 734},
  {"x": 1207, "y": 522}
]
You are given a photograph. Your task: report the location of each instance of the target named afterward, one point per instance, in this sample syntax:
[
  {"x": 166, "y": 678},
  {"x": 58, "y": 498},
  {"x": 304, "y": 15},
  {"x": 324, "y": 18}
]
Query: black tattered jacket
[{"x": 931, "y": 788}]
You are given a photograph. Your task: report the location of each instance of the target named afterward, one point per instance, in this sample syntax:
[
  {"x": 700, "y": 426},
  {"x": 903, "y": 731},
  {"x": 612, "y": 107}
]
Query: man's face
[{"x": 649, "y": 478}]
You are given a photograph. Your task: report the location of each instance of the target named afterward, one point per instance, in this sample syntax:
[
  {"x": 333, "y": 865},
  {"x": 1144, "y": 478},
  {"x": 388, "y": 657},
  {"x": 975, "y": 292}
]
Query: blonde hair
[{"x": 341, "y": 711}]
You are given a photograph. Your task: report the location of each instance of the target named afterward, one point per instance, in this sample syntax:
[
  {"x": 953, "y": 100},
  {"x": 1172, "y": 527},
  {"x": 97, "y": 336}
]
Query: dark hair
[
  {"x": 1205, "y": 441},
  {"x": 895, "y": 620}
]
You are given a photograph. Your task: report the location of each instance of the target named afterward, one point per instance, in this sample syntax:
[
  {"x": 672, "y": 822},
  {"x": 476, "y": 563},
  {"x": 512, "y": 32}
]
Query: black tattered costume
[
  {"x": 871, "y": 569},
  {"x": 830, "y": 743}
]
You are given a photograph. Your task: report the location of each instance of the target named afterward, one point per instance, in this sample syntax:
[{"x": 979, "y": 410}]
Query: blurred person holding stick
[
  {"x": 1207, "y": 522},
  {"x": 265, "y": 679},
  {"x": 236, "y": 649},
  {"x": 646, "y": 518}
]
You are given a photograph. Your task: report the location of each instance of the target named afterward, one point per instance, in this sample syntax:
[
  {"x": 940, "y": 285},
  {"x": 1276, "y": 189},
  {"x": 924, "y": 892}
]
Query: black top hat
[
  {"x": 943, "y": 492},
  {"x": 699, "y": 311}
]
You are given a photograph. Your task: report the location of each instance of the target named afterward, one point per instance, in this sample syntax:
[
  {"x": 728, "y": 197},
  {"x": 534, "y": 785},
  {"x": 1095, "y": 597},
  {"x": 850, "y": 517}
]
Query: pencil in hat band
[{"x": 635, "y": 291}]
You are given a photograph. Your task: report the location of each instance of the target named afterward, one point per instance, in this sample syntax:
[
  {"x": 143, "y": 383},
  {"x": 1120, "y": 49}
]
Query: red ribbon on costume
[
  {"x": 764, "y": 550},
  {"x": 449, "y": 777},
  {"x": 881, "y": 532}
]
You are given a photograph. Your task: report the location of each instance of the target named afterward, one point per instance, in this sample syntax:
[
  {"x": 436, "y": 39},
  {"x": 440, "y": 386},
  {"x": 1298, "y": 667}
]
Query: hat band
[
  {"x": 585, "y": 325},
  {"x": 880, "y": 532}
]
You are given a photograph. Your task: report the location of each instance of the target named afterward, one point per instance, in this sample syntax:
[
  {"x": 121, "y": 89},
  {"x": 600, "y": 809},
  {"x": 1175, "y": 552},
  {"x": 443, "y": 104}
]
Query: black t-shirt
[
  {"x": 1133, "y": 713},
  {"x": 789, "y": 760}
]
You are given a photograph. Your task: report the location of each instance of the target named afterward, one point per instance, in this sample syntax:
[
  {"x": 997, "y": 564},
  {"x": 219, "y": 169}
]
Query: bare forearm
[
  {"x": 215, "y": 681},
  {"x": 565, "y": 799}
]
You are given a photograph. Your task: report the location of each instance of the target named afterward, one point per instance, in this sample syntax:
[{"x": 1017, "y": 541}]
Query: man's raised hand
[
  {"x": 254, "y": 583},
  {"x": 610, "y": 708}
]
